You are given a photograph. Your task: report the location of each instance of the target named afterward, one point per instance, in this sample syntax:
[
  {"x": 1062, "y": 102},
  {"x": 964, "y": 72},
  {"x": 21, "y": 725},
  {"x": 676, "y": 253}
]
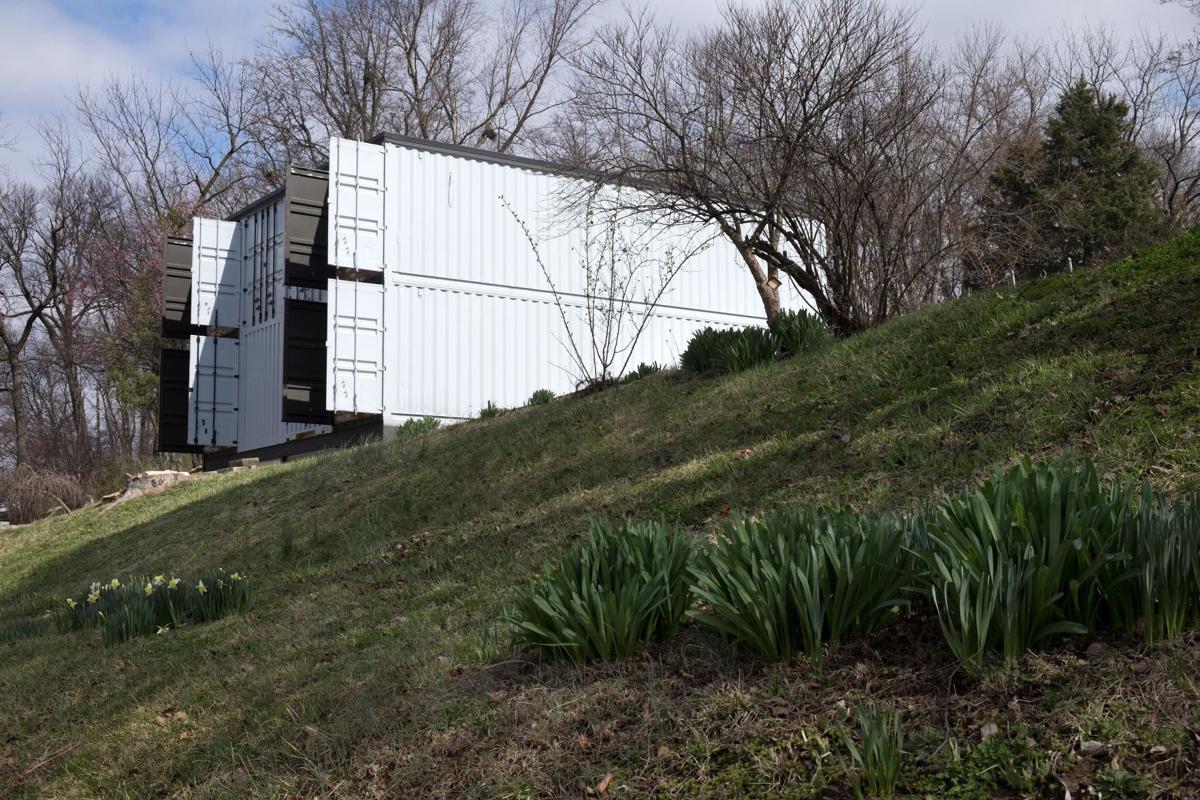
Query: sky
[{"x": 50, "y": 47}]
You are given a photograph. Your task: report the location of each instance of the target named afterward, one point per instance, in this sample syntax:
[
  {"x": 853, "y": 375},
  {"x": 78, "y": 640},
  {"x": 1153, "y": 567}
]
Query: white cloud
[
  {"x": 46, "y": 52},
  {"x": 944, "y": 19}
]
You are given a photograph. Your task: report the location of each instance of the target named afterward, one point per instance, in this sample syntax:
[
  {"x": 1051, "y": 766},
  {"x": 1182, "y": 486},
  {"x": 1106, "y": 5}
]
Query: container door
[
  {"x": 216, "y": 273},
  {"x": 356, "y": 204},
  {"x": 306, "y": 228},
  {"x": 213, "y": 392},
  {"x": 177, "y": 289},
  {"x": 304, "y": 357},
  {"x": 173, "y": 402},
  {"x": 355, "y": 332}
]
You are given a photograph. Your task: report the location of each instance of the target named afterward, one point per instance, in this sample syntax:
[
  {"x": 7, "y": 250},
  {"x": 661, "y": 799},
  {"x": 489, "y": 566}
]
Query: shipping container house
[{"x": 412, "y": 279}]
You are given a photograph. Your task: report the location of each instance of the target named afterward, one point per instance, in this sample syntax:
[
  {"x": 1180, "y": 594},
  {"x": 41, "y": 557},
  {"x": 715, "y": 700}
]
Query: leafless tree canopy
[
  {"x": 826, "y": 142},
  {"x": 451, "y": 70}
]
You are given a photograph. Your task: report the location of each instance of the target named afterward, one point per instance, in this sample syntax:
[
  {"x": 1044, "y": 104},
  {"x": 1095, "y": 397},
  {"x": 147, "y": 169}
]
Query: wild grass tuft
[
  {"x": 1154, "y": 588},
  {"x": 798, "y": 578},
  {"x": 627, "y": 584},
  {"x": 746, "y": 349},
  {"x": 25, "y": 628},
  {"x": 718, "y": 351},
  {"x": 1019, "y": 560},
  {"x": 1044, "y": 550},
  {"x": 642, "y": 370},
  {"x": 541, "y": 397},
  {"x": 491, "y": 410},
  {"x": 417, "y": 426},
  {"x": 799, "y": 332},
  {"x": 874, "y": 760}
]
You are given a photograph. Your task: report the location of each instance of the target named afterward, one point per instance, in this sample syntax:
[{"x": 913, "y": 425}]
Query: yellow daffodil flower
[
  {"x": 114, "y": 584},
  {"x": 149, "y": 590},
  {"x": 162, "y": 629},
  {"x": 71, "y": 602},
  {"x": 93, "y": 597},
  {"x": 171, "y": 584},
  {"x": 159, "y": 580},
  {"x": 235, "y": 577},
  {"x": 201, "y": 588}
]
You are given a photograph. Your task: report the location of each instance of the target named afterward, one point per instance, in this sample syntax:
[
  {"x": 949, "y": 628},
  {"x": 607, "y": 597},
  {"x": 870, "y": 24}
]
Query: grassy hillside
[{"x": 366, "y": 666}]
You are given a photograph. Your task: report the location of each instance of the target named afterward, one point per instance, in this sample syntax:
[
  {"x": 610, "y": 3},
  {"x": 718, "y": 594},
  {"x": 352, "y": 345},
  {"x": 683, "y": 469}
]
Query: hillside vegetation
[{"x": 370, "y": 662}]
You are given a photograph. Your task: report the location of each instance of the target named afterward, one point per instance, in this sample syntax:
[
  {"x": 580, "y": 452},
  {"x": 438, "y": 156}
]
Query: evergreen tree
[{"x": 1084, "y": 192}]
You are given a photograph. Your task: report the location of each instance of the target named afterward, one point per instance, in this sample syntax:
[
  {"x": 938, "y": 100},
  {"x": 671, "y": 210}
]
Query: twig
[{"x": 47, "y": 760}]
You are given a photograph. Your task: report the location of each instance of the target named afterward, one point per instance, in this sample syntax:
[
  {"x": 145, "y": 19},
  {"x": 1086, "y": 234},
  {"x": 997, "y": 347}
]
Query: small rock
[
  {"x": 1158, "y": 750},
  {"x": 988, "y": 731},
  {"x": 1162, "y": 409},
  {"x": 1138, "y": 667},
  {"x": 1091, "y": 748},
  {"x": 1095, "y": 652}
]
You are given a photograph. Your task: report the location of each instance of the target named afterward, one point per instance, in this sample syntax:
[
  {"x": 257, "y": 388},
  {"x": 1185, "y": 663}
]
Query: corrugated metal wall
[
  {"x": 260, "y": 388},
  {"x": 471, "y": 316},
  {"x": 450, "y": 349},
  {"x": 465, "y": 313},
  {"x": 460, "y": 218},
  {"x": 357, "y": 192}
]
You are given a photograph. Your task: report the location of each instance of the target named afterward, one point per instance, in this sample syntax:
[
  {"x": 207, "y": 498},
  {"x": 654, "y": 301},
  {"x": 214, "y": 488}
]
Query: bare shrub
[{"x": 32, "y": 494}]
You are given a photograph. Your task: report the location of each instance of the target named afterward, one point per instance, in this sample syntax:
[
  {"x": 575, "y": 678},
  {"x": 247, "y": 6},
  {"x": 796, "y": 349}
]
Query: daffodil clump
[
  {"x": 154, "y": 605},
  {"x": 218, "y": 594}
]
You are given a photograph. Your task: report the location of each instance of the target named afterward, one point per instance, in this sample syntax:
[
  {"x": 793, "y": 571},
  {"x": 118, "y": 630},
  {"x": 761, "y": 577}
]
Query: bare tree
[
  {"x": 172, "y": 146},
  {"x": 169, "y": 149},
  {"x": 440, "y": 69},
  {"x": 69, "y": 319},
  {"x": 35, "y": 239},
  {"x": 625, "y": 272},
  {"x": 1173, "y": 139},
  {"x": 824, "y": 143}
]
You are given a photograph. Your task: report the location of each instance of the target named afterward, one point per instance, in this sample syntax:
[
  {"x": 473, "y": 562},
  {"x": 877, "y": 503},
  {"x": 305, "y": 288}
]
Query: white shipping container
[
  {"x": 460, "y": 281},
  {"x": 485, "y": 295}
]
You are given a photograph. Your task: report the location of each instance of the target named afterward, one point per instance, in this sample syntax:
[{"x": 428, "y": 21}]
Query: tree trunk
[
  {"x": 836, "y": 317},
  {"x": 16, "y": 376},
  {"x": 762, "y": 281},
  {"x": 83, "y": 454}
]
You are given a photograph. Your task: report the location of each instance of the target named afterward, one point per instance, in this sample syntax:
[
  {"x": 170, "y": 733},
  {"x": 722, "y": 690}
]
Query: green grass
[{"x": 357, "y": 669}]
